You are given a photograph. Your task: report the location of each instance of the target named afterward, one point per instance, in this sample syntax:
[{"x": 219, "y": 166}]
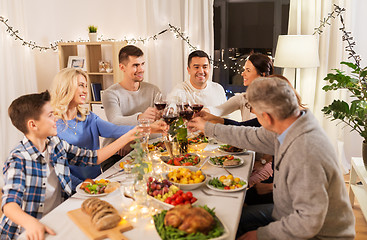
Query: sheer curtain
[
  {"x": 331, "y": 51},
  {"x": 166, "y": 58},
  {"x": 17, "y": 74}
]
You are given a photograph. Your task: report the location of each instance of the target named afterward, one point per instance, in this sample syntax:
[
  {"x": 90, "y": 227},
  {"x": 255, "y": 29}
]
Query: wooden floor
[{"x": 361, "y": 224}]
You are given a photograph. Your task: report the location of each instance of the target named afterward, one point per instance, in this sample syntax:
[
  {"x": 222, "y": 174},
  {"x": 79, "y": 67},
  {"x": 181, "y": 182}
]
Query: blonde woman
[{"x": 76, "y": 124}]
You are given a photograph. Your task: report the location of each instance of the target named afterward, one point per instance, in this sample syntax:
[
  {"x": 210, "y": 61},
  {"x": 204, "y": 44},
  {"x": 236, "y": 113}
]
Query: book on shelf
[{"x": 96, "y": 91}]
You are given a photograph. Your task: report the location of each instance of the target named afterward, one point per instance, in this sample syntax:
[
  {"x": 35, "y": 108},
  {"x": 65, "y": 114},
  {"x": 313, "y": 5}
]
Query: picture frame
[{"x": 77, "y": 62}]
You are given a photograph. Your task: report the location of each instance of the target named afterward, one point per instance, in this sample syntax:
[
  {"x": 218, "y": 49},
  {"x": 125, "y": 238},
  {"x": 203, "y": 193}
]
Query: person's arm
[
  {"x": 233, "y": 104},
  {"x": 34, "y": 228},
  {"x": 251, "y": 123},
  {"x": 110, "y": 130}
]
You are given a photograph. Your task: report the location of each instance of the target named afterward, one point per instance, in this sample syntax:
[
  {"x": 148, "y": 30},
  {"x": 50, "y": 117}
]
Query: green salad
[{"x": 169, "y": 232}]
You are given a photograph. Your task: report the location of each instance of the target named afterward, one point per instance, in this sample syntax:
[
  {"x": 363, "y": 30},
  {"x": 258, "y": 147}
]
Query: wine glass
[
  {"x": 160, "y": 102},
  {"x": 197, "y": 104},
  {"x": 144, "y": 126},
  {"x": 170, "y": 113}
]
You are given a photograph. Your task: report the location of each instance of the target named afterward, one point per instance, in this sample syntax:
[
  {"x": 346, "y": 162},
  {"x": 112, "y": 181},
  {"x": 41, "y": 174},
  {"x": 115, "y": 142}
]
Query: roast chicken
[{"x": 189, "y": 219}]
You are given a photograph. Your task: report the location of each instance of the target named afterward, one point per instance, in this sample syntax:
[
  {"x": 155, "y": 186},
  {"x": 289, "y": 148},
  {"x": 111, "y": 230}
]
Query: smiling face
[
  {"x": 199, "y": 71},
  {"x": 46, "y": 124},
  {"x": 81, "y": 91},
  {"x": 249, "y": 74},
  {"x": 134, "y": 68}
]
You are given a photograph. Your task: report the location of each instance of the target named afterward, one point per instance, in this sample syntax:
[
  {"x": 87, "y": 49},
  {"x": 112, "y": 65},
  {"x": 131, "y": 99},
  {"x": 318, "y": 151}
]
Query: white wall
[{"x": 68, "y": 20}]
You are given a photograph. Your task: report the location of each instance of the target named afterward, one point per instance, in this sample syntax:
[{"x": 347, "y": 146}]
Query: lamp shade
[{"x": 297, "y": 51}]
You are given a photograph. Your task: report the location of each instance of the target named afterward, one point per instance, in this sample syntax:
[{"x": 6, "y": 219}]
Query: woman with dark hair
[{"x": 257, "y": 65}]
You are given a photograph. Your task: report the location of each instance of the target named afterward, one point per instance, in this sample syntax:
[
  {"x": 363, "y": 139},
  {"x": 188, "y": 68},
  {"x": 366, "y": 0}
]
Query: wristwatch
[{"x": 263, "y": 161}]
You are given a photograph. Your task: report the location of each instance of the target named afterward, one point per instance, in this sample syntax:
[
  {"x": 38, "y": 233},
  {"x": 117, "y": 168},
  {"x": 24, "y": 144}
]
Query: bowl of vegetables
[{"x": 185, "y": 160}]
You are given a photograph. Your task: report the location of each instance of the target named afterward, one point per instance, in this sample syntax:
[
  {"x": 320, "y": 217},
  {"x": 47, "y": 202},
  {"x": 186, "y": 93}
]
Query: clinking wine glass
[
  {"x": 160, "y": 102},
  {"x": 144, "y": 125},
  {"x": 170, "y": 113},
  {"x": 197, "y": 104}
]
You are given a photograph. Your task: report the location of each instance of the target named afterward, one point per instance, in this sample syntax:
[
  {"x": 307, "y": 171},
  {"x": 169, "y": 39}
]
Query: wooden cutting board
[{"x": 84, "y": 223}]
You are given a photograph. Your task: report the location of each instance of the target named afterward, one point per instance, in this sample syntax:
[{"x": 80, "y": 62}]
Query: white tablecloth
[{"x": 227, "y": 209}]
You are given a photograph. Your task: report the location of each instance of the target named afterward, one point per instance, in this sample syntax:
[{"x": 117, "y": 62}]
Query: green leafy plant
[
  {"x": 92, "y": 29},
  {"x": 355, "y": 113},
  {"x": 141, "y": 167}
]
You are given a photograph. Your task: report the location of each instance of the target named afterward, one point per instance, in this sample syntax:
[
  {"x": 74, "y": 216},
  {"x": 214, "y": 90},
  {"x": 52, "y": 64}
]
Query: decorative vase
[
  {"x": 364, "y": 153},
  {"x": 92, "y": 37}
]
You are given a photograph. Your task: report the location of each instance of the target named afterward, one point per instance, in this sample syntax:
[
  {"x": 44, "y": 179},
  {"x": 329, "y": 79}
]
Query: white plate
[
  {"x": 242, "y": 161},
  {"x": 225, "y": 234},
  {"x": 222, "y": 190},
  {"x": 173, "y": 166},
  {"x": 83, "y": 193},
  {"x": 232, "y": 153}
]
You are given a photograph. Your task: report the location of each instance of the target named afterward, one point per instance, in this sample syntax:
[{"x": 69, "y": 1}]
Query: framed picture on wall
[{"x": 77, "y": 62}]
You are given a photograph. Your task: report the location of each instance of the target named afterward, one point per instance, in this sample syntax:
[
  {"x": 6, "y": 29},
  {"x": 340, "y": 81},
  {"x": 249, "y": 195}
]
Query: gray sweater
[
  {"x": 310, "y": 198},
  {"x": 122, "y": 107}
]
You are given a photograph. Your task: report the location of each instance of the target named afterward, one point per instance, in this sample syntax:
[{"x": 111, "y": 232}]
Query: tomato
[
  {"x": 189, "y": 195},
  {"x": 179, "y": 192},
  {"x": 176, "y": 162},
  {"x": 230, "y": 157},
  {"x": 187, "y": 202},
  {"x": 187, "y": 164},
  {"x": 170, "y": 161},
  {"x": 194, "y": 199},
  {"x": 187, "y": 155},
  {"x": 226, "y": 188},
  {"x": 184, "y": 196},
  {"x": 179, "y": 200}
]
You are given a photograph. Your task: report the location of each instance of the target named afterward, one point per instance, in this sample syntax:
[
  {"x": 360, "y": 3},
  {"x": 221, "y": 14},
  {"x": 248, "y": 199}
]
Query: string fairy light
[{"x": 236, "y": 68}]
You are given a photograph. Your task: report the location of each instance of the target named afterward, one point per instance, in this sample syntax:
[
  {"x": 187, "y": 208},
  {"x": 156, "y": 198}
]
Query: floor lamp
[{"x": 297, "y": 51}]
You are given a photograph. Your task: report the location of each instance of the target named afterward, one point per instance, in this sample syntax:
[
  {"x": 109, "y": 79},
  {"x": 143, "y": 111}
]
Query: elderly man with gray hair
[{"x": 310, "y": 198}]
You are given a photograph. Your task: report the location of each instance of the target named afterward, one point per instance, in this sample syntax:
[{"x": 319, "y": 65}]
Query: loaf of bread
[{"x": 103, "y": 215}]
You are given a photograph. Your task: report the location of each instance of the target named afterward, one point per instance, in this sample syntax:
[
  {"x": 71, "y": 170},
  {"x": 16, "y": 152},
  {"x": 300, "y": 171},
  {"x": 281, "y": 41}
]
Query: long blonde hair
[{"x": 63, "y": 90}]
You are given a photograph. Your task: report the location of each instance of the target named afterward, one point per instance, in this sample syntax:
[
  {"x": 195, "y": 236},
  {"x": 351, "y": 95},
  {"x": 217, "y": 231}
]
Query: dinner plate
[
  {"x": 232, "y": 153},
  {"x": 242, "y": 161},
  {"x": 83, "y": 193},
  {"x": 222, "y": 190}
]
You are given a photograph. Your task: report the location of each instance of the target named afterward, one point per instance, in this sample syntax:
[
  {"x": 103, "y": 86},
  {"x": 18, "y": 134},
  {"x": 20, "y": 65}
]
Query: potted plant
[
  {"x": 92, "y": 33},
  {"x": 355, "y": 113}
]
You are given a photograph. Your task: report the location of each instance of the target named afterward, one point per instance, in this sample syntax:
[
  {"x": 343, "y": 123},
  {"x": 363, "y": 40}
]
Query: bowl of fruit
[
  {"x": 188, "y": 159},
  {"x": 187, "y": 178},
  {"x": 168, "y": 194}
]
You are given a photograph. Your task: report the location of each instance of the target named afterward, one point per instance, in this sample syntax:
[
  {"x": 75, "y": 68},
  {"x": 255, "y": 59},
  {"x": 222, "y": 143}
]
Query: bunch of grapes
[{"x": 161, "y": 190}]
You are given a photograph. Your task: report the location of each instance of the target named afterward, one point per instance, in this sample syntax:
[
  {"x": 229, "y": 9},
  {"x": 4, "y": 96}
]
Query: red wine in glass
[
  {"x": 187, "y": 114},
  {"x": 160, "y": 105},
  {"x": 169, "y": 118},
  {"x": 197, "y": 107}
]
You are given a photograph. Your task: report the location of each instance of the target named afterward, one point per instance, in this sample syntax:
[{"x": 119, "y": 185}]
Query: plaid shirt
[{"x": 25, "y": 173}]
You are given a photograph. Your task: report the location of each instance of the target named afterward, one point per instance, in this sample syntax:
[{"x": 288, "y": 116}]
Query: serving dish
[
  {"x": 158, "y": 225},
  {"x": 189, "y": 186},
  {"x": 166, "y": 160}
]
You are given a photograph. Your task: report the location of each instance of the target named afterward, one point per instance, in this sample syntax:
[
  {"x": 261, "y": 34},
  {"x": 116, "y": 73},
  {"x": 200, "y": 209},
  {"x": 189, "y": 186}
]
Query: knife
[{"x": 116, "y": 173}]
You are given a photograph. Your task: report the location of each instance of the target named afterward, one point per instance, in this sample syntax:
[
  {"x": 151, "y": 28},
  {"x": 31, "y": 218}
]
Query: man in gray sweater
[
  {"x": 310, "y": 198},
  {"x": 130, "y": 99}
]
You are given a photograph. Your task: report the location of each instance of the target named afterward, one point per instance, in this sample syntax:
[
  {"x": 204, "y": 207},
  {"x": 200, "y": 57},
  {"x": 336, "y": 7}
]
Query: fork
[{"x": 217, "y": 195}]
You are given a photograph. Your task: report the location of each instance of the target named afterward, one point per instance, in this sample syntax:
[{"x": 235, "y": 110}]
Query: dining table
[{"x": 227, "y": 205}]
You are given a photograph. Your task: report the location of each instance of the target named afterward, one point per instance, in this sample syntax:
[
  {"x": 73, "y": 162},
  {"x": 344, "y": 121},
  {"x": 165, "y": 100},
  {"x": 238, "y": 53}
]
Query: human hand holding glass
[{"x": 160, "y": 102}]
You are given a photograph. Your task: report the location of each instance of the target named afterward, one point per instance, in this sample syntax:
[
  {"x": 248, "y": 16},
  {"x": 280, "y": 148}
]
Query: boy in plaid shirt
[{"x": 37, "y": 176}]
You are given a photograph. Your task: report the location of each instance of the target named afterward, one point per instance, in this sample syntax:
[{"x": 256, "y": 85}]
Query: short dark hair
[
  {"x": 129, "y": 50},
  {"x": 197, "y": 53},
  {"x": 27, "y": 107},
  {"x": 262, "y": 63}
]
